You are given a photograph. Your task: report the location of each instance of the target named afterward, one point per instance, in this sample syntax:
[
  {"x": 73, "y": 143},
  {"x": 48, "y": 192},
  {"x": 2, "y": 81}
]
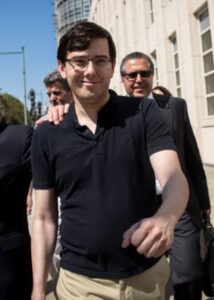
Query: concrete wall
[{"x": 129, "y": 22}]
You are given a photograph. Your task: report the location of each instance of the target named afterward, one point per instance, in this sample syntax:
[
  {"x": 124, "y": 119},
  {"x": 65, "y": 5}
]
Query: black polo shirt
[{"x": 105, "y": 182}]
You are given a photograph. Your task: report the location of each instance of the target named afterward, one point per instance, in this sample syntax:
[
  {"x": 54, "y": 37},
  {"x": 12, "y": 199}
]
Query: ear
[{"x": 61, "y": 69}]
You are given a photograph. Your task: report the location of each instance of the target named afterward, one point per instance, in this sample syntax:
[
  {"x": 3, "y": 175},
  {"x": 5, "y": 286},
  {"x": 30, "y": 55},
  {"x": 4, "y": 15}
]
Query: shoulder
[
  {"x": 134, "y": 102},
  {"x": 135, "y": 106},
  {"x": 177, "y": 100},
  {"x": 46, "y": 126},
  {"x": 18, "y": 136},
  {"x": 47, "y": 133},
  {"x": 19, "y": 130},
  {"x": 179, "y": 105},
  {"x": 43, "y": 131}
]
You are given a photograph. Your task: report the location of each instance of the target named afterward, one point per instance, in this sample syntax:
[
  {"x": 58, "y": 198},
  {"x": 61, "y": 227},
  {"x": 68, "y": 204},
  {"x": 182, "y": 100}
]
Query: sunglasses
[{"x": 133, "y": 75}]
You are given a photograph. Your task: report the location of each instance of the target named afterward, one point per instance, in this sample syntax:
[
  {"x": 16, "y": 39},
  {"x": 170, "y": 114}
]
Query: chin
[{"x": 138, "y": 95}]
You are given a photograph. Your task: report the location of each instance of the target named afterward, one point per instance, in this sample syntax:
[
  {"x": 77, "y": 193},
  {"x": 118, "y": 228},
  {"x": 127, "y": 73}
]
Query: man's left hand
[{"x": 56, "y": 112}]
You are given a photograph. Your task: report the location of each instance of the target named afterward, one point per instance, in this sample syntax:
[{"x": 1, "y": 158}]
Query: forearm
[
  {"x": 175, "y": 197},
  {"x": 29, "y": 201},
  {"x": 43, "y": 245},
  {"x": 153, "y": 236}
]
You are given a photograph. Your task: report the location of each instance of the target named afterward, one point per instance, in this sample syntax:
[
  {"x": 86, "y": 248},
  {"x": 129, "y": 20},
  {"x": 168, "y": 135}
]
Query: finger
[
  {"x": 67, "y": 105},
  {"x": 155, "y": 245},
  {"x": 156, "y": 252},
  {"x": 127, "y": 235},
  {"x": 61, "y": 109},
  {"x": 140, "y": 235},
  {"x": 39, "y": 121},
  {"x": 154, "y": 249},
  {"x": 50, "y": 113},
  {"x": 55, "y": 114},
  {"x": 159, "y": 249},
  {"x": 144, "y": 241}
]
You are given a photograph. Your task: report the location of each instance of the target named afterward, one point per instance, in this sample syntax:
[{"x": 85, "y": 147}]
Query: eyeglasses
[
  {"x": 81, "y": 63},
  {"x": 133, "y": 75}
]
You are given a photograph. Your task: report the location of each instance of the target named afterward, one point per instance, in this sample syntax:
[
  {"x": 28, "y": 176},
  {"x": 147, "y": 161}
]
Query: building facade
[
  {"x": 179, "y": 37},
  {"x": 68, "y": 12}
]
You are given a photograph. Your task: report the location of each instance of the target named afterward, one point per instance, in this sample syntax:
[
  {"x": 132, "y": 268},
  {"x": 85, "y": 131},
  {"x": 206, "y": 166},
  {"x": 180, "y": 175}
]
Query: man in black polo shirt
[{"x": 101, "y": 161}]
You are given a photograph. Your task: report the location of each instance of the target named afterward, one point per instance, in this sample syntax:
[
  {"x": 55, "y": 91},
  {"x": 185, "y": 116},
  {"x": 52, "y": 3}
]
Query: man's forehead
[
  {"x": 98, "y": 44},
  {"x": 137, "y": 62},
  {"x": 55, "y": 85}
]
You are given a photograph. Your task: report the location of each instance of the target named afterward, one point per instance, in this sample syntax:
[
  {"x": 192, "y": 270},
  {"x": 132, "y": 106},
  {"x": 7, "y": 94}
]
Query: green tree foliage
[{"x": 14, "y": 109}]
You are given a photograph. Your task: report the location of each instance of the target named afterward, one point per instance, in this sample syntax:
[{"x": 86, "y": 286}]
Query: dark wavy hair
[{"x": 79, "y": 37}]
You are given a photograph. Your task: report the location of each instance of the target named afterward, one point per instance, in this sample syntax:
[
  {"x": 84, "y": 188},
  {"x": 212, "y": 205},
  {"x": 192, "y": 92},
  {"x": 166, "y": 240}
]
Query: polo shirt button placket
[{"x": 99, "y": 149}]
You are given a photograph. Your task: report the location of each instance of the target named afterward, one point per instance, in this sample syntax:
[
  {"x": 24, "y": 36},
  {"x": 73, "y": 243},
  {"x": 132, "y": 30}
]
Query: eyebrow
[
  {"x": 55, "y": 93},
  {"x": 85, "y": 56}
]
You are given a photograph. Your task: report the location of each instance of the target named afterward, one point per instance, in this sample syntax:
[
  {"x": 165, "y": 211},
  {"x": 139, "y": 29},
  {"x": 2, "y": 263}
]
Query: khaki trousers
[{"x": 149, "y": 285}]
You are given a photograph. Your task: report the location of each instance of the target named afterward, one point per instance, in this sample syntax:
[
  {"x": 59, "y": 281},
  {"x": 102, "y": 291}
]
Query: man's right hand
[{"x": 151, "y": 236}]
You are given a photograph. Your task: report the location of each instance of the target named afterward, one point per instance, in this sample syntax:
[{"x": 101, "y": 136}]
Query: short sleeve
[
  {"x": 42, "y": 177},
  {"x": 158, "y": 137}
]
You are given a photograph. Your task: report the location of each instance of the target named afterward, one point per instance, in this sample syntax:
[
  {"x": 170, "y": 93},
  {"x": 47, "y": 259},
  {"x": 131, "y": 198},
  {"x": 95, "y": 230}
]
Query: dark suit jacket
[
  {"x": 15, "y": 177},
  {"x": 175, "y": 113}
]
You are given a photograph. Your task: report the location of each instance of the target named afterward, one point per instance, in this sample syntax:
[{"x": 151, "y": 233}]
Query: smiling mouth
[
  {"x": 88, "y": 82},
  {"x": 139, "y": 88}
]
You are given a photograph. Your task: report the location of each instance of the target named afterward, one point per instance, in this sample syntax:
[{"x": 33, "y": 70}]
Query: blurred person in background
[
  {"x": 59, "y": 93},
  {"x": 57, "y": 89},
  {"x": 15, "y": 178},
  {"x": 161, "y": 90}
]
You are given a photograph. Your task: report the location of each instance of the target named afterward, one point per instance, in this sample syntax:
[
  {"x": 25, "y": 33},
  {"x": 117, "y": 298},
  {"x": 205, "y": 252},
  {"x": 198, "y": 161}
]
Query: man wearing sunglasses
[
  {"x": 137, "y": 74},
  {"x": 137, "y": 71}
]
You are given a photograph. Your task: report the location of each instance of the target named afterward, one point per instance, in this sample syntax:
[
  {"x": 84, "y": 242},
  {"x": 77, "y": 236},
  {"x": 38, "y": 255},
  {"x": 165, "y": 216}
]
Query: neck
[{"x": 87, "y": 112}]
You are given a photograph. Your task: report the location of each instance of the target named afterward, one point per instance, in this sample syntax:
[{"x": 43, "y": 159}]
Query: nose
[
  {"x": 53, "y": 98},
  {"x": 139, "y": 77},
  {"x": 90, "y": 67}
]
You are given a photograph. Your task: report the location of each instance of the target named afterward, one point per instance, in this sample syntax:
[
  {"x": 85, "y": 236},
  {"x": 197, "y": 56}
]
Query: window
[
  {"x": 154, "y": 60},
  {"x": 175, "y": 54},
  {"x": 207, "y": 57},
  {"x": 151, "y": 11}
]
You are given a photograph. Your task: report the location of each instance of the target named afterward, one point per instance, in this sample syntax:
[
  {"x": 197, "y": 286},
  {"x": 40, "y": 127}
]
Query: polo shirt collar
[{"x": 105, "y": 114}]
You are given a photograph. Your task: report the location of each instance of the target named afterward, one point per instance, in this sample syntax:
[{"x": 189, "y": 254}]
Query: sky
[{"x": 28, "y": 24}]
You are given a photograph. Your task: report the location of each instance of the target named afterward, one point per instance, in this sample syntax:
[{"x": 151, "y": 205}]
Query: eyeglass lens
[{"x": 143, "y": 74}]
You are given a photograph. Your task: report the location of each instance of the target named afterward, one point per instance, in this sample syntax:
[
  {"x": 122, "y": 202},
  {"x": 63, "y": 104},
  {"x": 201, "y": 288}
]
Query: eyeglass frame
[
  {"x": 143, "y": 74},
  {"x": 71, "y": 63}
]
